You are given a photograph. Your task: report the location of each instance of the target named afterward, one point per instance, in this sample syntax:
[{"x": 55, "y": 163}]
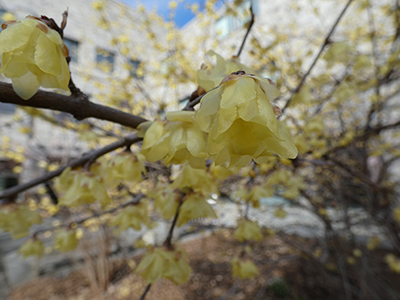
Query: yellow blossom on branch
[
  {"x": 32, "y": 247},
  {"x": 65, "y": 240},
  {"x": 33, "y": 55},
  {"x": 241, "y": 123},
  {"x": 195, "y": 206},
  {"x": 80, "y": 187},
  {"x": 243, "y": 268},
  {"x": 247, "y": 230},
  {"x": 175, "y": 141},
  {"x": 208, "y": 79},
  {"x": 132, "y": 216},
  {"x": 160, "y": 263},
  {"x": 17, "y": 219}
]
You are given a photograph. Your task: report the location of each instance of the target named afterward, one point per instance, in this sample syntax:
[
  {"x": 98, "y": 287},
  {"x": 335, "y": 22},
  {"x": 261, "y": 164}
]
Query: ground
[{"x": 294, "y": 275}]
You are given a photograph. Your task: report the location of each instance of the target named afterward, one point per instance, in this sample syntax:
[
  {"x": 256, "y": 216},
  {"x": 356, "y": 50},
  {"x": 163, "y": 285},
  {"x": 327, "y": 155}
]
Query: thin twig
[
  {"x": 134, "y": 201},
  {"x": 171, "y": 230},
  {"x": 145, "y": 292},
  {"x": 130, "y": 139},
  {"x": 191, "y": 104},
  {"x": 247, "y": 32},
  {"x": 326, "y": 42}
]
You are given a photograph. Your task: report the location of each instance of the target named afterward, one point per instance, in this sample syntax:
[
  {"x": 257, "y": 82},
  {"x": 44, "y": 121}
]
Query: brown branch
[
  {"x": 135, "y": 200},
  {"x": 326, "y": 42},
  {"x": 171, "y": 230},
  {"x": 365, "y": 135},
  {"x": 251, "y": 23},
  {"x": 130, "y": 139},
  {"x": 81, "y": 108},
  {"x": 145, "y": 292}
]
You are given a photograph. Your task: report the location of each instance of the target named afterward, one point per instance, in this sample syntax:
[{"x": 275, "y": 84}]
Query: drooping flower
[
  {"x": 125, "y": 166},
  {"x": 17, "y": 219},
  {"x": 32, "y": 247},
  {"x": 241, "y": 123},
  {"x": 175, "y": 141},
  {"x": 243, "y": 268},
  {"x": 166, "y": 200},
  {"x": 80, "y": 187},
  {"x": 193, "y": 207},
  {"x": 132, "y": 216},
  {"x": 209, "y": 79},
  {"x": 65, "y": 240},
  {"x": 33, "y": 55},
  {"x": 164, "y": 263},
  {"x": 198, "y": 180},
  {"x": 247, "y": 230}
]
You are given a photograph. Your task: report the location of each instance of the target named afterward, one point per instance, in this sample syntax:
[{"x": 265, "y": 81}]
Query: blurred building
[{"x": 94, "y": 59}]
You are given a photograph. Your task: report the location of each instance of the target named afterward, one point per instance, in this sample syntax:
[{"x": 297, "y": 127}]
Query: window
[
  {"x": 135, "y": 69},
  {"x": 224, "y": 26},
  {"x": 235, "y": 19},
  {"x": 105, "y": 60},
  {"x": 6, "y": 108},
  {"x": 7, "y": 177},
  {"x": 73, "y": 49}
]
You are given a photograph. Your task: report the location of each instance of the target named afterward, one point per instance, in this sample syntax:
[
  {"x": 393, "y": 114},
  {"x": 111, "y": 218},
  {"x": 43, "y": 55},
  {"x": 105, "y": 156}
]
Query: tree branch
[
  {"x": 81, "y": 108},
  {"x": 134, "y": 201},
  {"x": 326, "y": 42},
  {"x": 251, "y": 23},
  {"x": 93, "y": 155}
]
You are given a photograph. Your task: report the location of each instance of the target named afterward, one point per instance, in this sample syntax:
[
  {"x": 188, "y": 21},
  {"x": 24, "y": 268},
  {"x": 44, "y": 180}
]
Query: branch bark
[{"x": 81, "y": 108}]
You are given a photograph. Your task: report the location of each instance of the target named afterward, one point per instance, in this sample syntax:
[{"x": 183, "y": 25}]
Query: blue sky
[{"x": 182, "y": 16}]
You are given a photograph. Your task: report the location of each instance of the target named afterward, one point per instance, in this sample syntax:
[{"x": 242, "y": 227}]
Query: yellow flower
[
  {"x": 8, "y": 16},
  {"x": 160, "y": 263},
  {"x": 80, "y": 187},
  {"x": 17, "y": 219},
  {"x": 393, "y": 262},
  {"x": 172, "y": 4},
  {"x": 125, "y": 166},
  {"x": 165, "y": 200},
  {"x": 33, "y": 55},
  {"x": 176, "y": 141},
  {"x": 98, "y": 5},
  {"x": 210, "y": 79},
  {"x": 65, "y": 240},
  {"x": 132, "y": 216},
  {"x": 280, "y": 213},
  {"x": 178, "y": 270},
  {"x": 196, "y": 179},
  {"x": 247, "y": 230},
  {"x": 241, "y": 122},
  {"x": 193, "y": 207},
  {"x": 32, "y": 247},
  {"x": 243, "y": 268}
]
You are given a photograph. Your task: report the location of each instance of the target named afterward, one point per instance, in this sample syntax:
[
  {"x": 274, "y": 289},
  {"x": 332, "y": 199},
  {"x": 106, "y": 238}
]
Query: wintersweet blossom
[
  {"x": 33, "y": 55},
  {"x": 80, "y": 187},
  {"x": 176, "y": 140},
  {"x": 208, "y": 79},
  {"x": 241, "y": 122},
  {"x": 132, "y": 216},
  {"x": 161, "y": 263},
  {"x": 243, "y": 268},
  {"x": 65, "y": 240},
  {"x": 32, "y": 247},
  {"x": 247, "y": 230},
  {"x": 193, "y": 207}
]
